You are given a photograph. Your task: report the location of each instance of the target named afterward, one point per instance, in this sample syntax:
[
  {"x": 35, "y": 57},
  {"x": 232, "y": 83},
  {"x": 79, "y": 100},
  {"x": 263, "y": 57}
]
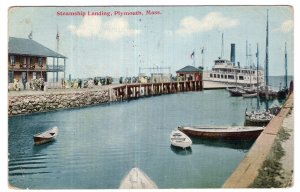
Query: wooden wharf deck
[{"x": 137, "y": 90}]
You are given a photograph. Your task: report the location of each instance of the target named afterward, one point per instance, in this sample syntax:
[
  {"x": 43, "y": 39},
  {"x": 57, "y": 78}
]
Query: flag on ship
[
  {"x": 192, "y": 55},
  {"x": 30, "y": 35},
  {"x": 57, "y": 36}
]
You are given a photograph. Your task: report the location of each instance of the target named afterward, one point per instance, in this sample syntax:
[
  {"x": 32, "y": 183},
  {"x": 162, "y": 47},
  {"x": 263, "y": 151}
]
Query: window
[
  {"x": 41, "y": 62},
  {"x": 31, "y": 63},
  {"x": 214, "y": 75},
  {"x": 210, "y": 75},
  {"x": 12, "y": 60},
  {"x": 241, "y": 77},
  {"x": 23, "y": 62},
  {"x": 230, "y": 77},
  {"x": 10, "y": 77},
  {"x": 218, "y": 76}
]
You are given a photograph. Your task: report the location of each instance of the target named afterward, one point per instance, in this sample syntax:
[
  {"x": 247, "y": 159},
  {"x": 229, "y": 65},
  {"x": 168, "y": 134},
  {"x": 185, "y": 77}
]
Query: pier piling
[{"x": 137, "y": 90}]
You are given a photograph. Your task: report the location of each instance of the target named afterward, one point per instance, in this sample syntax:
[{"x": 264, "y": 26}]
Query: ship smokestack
[{"x": 232, "y": 53}]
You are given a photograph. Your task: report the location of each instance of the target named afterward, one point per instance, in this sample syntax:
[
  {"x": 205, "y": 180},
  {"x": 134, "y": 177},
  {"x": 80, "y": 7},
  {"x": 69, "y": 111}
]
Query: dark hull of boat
[
  {"x": 39, "y": 140},
  {"x": 223, "y": 135},
  {"x": 236, "y": 92},
  {"x": 282, "y": 94},
  {"x": 250, "y": 92},
  {"x": 256, "y": 122},
  {"x": 272, "y": 95}
]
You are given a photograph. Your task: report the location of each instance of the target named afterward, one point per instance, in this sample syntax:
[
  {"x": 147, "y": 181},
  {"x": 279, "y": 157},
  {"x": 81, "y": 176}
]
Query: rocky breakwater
[{"x": 27, "y": 104}]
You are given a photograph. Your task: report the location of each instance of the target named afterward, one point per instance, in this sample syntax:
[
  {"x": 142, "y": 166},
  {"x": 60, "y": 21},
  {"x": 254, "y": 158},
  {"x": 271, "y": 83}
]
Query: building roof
[
  {"x": 21, "y": 46},
  {"x": 188, "y": 69}
]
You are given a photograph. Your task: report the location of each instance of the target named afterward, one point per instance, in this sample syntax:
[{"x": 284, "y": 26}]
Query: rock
[{"x": 48, "y": 102}]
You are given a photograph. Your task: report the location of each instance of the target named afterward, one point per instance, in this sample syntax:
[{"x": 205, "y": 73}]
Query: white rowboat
[
  {"x": 179, "y": 139},
  {"x": 137, "y": 179}
]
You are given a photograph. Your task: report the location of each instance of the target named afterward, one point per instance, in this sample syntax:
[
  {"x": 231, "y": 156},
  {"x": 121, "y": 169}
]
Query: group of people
[
  {"x": 34, "y": 84},
  {"x": 79, "y": 83}
]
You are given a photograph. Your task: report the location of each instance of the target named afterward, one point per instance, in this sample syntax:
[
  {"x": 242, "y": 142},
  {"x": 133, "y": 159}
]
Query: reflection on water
[
  {"x": 180, "y": 151},
  {"x": 224, "y": 143},
  {"x": 97, "y": 145},
  {"x": 39, "y": 148}
]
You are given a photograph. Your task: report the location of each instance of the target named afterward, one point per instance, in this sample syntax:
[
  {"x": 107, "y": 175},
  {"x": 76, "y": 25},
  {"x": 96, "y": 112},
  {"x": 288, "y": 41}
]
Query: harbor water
[{"x": 97, "y": 146}]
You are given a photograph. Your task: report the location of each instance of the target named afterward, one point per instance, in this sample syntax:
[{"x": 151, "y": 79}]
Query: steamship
[{"x": 225, "y": 71}]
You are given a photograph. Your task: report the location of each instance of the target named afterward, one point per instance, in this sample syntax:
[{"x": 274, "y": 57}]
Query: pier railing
[{"x": 55, "y": 68}]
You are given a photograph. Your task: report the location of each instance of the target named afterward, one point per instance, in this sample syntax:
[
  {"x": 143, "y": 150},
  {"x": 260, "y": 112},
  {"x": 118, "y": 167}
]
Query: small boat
[
  {"x": 236, "y": 92},
  {"x": 46, "y": 136},
  {"x": 250, "y": 89},
  {"x": 137, "y": 179},
  {"x": 282, "y": 93},
  {"x": 179, "y": 139},
  {"x": 229, "y": 132},
  {"x": 268, "y": 95},
  {"x": 249, "y": 95},
  {"x": 261, "y": 117}
]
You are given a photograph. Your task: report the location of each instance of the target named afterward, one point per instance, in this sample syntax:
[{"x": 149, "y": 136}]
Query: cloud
[
  {"x": 286, "y": 26},
  {"x": 112, "y": 30},
  {"x": 213, "y": 20}
]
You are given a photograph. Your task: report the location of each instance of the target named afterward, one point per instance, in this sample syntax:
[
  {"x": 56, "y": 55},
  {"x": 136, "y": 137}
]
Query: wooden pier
[{"x": 137, "y": 90}]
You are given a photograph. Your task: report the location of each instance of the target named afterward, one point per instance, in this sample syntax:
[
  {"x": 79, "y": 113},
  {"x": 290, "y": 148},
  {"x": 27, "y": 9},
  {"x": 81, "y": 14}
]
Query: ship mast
[
  {"x": 222, "y": 47},
  {"x": 257, "y": 86},
  {"x": 285, "y": 62},
  {"x": 267, "y": 62},
  {"x": 246, "y": 52}
]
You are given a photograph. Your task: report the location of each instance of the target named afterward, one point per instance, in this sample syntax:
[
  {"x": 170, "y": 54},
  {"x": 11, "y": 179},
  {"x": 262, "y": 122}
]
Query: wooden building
[
  {"x": 189, "y": 73},
  {"x": 27, "y": 60}
]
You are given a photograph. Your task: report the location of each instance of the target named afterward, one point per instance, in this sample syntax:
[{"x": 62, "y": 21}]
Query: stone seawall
[{"x": 26, "y": 104}]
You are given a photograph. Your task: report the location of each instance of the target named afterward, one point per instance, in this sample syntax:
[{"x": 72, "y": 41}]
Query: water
[
  {"x": 97, "y": 146},
  {"x": 277, "y": 82}
]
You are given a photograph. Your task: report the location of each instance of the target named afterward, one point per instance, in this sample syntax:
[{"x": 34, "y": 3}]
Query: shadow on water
[
  {"x": 180, "y": 151},
  {"x": 38, "y": 148},
  {"x": 241, "y": 144}
]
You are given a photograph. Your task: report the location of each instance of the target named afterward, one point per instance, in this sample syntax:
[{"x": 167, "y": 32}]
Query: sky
[{"x": 119, "y": 45}]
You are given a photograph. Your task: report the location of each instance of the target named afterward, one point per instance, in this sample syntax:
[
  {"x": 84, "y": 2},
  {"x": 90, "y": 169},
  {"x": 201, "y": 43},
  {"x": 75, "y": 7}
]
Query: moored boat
[
  {"x": 229, "y": 132},
  {"x": 179, "y": 139},
  {"x": 249, "y": 95},
  {"x": 258, "y": 120},
  {"x": 137, "y": 179},
  {"x": 235, "y": 92},
  {"x": 226, "y": 71},
  {"x": 282, "y": 93},
  {"x": 46, "y": 136},
  {"x": 261, "y": 118}
]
